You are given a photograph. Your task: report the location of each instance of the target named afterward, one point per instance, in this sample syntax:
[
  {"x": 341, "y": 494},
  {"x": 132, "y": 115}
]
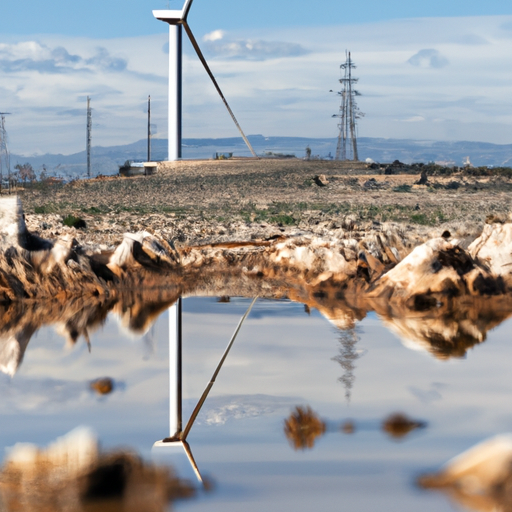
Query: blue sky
[
  {"x": 437, "y": 70},
  {"x": 121, "y": 18}
]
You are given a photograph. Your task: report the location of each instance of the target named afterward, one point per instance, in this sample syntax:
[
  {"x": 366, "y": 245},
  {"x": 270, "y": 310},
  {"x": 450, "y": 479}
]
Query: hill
[{"x": 106, "y": 160}]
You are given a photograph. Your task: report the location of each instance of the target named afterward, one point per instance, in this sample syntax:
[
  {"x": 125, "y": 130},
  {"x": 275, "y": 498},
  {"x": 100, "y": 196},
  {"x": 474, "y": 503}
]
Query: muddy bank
[{"x": 443, "y": 294}]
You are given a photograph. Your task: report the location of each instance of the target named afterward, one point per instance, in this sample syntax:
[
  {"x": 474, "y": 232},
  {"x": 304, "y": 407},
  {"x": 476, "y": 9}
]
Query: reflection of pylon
[
  {"x": 5, "y": 159},
  {"x": 347, "y": 358},
  {"x": 348, "y": 113}
]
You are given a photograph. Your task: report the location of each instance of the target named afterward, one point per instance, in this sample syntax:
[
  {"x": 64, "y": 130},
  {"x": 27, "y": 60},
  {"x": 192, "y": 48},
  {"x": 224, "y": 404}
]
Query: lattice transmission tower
[
  {"x": 348, "y": 114},
  {"x": 5, "y": 159},
  {"x": 89, "y": 136}
]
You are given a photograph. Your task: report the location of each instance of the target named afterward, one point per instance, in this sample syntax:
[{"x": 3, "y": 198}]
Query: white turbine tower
[{"x": 177, "y": 19}]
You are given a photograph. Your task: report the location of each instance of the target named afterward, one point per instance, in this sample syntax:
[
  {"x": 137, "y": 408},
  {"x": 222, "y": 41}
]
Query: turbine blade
[
  {"x": 210, "y": 74},
  {"x": 210, "y": 384},
  {"x": 186, "y": 8}
]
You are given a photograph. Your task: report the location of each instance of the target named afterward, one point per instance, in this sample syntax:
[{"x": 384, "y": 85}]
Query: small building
[{"x": 138, "y": 169}]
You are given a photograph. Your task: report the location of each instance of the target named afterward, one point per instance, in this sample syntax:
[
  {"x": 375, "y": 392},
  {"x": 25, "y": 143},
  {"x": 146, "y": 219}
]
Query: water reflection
[
  {"x": 480, "y": 478},
  {"x": 398, "y": 425},
  {"x": 292, "y": 344},
  {"x": 445, "y": 327},
  {"x": 73, "y": 319},
  {"x": 303, "y": 427},
  {"x": 103, "y": 385},
  {"x": 73, "y": 473},
  {"x": 348, "y": 355}
]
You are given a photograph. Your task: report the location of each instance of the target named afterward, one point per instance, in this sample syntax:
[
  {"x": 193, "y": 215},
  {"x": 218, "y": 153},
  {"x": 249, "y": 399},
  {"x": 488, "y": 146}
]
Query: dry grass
[{"x": 277, "y": 193}]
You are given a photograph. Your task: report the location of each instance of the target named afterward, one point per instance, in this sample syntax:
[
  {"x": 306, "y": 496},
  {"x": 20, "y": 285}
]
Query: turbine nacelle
[
  {"x": 171, "y": 17},
  {"x": 174, "y": 17}
]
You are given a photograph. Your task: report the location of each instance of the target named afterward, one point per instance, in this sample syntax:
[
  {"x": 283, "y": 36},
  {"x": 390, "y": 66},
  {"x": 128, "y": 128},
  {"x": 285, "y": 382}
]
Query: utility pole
[
  {"x": 149, "y": 129},
  {"x": 89, "y": 130},
  {"x": 348, "y": 112},
  {"x": 4, "y": 151}
]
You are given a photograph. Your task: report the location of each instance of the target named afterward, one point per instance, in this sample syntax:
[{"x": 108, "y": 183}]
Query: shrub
[
  {"x": 74, "y": 222},
  {"x": 402, "y": 188}
]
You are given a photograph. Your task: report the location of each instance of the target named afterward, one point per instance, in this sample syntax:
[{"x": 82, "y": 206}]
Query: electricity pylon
[
  {"x": 4, "y": 150},
  {"x": 348, "y": 113}
]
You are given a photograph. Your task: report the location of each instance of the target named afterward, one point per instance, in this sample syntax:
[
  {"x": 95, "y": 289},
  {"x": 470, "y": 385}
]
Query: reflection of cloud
[
  {"x": 235, "y": 407},
  {"x": 33, "y": 394},
  {"x": 428, "y": 58},
  {"x": 428, "y": 395}
]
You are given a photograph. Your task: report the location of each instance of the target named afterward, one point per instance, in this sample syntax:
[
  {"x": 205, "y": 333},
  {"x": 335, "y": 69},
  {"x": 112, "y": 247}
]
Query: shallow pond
[{"x": 284, "y": 357}]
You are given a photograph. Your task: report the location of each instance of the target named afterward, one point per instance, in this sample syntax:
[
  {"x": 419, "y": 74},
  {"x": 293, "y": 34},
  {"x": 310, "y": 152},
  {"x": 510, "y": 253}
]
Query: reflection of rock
[
  {"x": 480, "y": 478},
  {"x": 102, "y": 386},
  {"x": 444, "y": 327},
  {"x": 76, "y": 317},
  {"x": 398, "y": 425},
  {"x": 303, "y": 427},
  {"x": 72, "y": 474},
  {"x": 348, "y": 427},
  {"x": 438, "y": 296},
  {"x": 12, "y": 349}
]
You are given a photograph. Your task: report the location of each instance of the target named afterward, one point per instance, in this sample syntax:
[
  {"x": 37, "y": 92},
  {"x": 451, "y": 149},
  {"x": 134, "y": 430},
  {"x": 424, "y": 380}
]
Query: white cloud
[
  {"x": 216, "y": 35},
  {"x": 274, "y": 88},
  {"x": 252, "y": 49},
  {"x": 34, "y": 56},
  {"x": 414, "y": 119},
  {"x": 428, "y": 58}
]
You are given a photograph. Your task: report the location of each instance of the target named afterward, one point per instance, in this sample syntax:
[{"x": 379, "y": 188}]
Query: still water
[{"x": 283, "y": 358}]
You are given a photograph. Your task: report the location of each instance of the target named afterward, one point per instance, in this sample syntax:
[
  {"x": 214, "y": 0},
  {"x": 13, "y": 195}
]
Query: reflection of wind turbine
[
  {"x": 178, "y": 437},
  {"x": 176, "y": 19}
]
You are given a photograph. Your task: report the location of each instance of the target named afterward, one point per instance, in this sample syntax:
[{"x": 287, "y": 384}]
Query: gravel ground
[{"x": 196, "y": 202}]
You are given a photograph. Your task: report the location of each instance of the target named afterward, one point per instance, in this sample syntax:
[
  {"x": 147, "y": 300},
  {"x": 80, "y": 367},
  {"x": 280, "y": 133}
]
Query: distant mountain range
[{"x": 106, "y": 160}]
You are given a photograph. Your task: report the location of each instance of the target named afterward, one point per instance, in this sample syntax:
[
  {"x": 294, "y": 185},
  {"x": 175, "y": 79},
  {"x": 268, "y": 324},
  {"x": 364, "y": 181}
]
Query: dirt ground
[{"x": 205, "y": 201}]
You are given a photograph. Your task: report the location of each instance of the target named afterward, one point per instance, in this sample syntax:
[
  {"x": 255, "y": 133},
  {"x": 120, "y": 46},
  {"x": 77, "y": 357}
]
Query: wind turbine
[
  {"x": 177, "y": 19},
  {"x": 177, "y": 440}
]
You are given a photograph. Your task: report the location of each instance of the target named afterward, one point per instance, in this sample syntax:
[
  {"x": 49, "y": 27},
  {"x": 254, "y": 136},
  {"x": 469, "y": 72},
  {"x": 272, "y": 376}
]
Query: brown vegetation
[
  {"x": 303, "y": 427},
  {"x": 478, "y": 479},
  {"x": 398, "y": 425},
  {"x": 438, "y": 294},
  {"x": 209, "y": 201},
  {"x": 74, "y": 475}
]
